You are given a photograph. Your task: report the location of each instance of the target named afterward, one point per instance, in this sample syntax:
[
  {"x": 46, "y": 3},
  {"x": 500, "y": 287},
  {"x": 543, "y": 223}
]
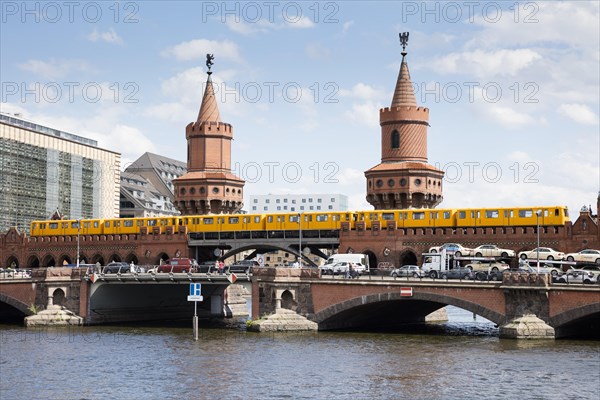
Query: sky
[{"x": 513, "y": 88}]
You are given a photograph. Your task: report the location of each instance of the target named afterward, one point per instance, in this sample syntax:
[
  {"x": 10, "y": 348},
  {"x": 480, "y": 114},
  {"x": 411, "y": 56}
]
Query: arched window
[{"x": 395, "y": 139}]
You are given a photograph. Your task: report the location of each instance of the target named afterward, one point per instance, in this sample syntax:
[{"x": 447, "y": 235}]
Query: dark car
[
  {"x": 457, "y": 273},
  {"x": 178, "y": 265},
  {"x": 244, "y": 266},
  {"x": 117, "y": 267}
]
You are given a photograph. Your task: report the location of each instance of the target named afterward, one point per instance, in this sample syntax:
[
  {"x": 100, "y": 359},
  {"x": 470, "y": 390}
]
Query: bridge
[
  {"x": 110, "y": 298},
  {"x": 333, "y": 303},
  {"x": 382, "y": 302}
]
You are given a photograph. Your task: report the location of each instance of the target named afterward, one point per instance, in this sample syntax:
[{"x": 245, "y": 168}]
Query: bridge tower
[
  {"x": 404, "y": 179},
  {"x": 209, "y": 186}
]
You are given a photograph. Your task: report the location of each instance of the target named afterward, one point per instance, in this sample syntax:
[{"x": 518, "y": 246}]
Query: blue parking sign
[{"x": 195, "y": 289}]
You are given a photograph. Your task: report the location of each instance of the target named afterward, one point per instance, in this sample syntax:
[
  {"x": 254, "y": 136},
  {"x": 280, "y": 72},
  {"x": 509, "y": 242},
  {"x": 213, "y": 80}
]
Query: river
[{"x": 460, "y": 359}]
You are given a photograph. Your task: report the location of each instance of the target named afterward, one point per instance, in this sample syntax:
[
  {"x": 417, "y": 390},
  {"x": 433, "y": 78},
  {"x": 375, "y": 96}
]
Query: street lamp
[
  {"x": 78, "y": 231},
  {"x": 538, "y": 213},
  {"x": 300, "y": 239}
]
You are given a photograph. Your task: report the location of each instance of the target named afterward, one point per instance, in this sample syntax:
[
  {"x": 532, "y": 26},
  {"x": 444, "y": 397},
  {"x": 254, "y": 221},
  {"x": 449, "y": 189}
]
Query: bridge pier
[{"x": 527, "y": 327}]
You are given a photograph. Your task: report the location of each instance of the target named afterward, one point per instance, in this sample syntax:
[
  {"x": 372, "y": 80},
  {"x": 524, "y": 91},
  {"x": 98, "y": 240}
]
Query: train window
[
  {"x": 294, "y": 218},
  {"x": 117, "y": 224},
  {"x": 270, "y": 218},
  {"x": 462, "y": 214},
  {"x": 75, "y": 225},
  {"x": 257, "y": 219},
  {"x": 545, "y": 213},
  {"x": 566, "y": 213},
  {"x": 128, "y": 222},
  {"x": 208, "y": 221},
  {"x": 151, "y": 222},
  {"x": 322, "y": 218},
  {"x": 492, "y": 214},
  {"x": 234, "y": 220},
  {"x": 387, "y": 216},
  {"x": 374, "y": 217},
  {"x": 525, "y": 213},
  {"x": 140, "y": 222},
  {"x": 53, "y": 225},
  {"x": 65, "y": 225},
  {"x": 418, "y": 215},
  {"x": 446, "y": 214}
]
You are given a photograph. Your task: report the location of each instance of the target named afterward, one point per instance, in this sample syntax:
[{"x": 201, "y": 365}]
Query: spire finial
[
  {"x": 209, "y": 62},
  {"x": 404, "y": 42}
]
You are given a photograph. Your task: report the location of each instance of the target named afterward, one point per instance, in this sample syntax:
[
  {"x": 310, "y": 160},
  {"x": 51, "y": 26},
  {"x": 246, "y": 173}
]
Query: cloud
[
  {"x": 579, "y": 113},
  {"x": 109, "y": 36},
  {"x": 347, "y": 26},
  {"x": 364, "y": 92},
  {"x": 198, "y": 48},
  {"x": 317, "y": 51},
  {"x": 365, "y": 114},
  {"x": 54, "y": 68},
  {"x": 486, "y": 63}
]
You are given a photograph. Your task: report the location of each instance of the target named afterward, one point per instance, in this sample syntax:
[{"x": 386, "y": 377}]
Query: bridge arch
[
  {"x": 17, "y": 304},
  {"x": 12, "y": 262},
  {"x": 382, "y": 309},
  {"x": 49, "y": 261},
  {"x": 132, "y": 258},
  {"x": 407, "y": 257},
  {"x": 33, "y": 262},
  {"x": 98, "y": 258},
  {"x": 574, "y": 315}
]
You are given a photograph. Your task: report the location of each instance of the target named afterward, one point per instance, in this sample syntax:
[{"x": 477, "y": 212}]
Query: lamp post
[
  {"x": 78, "y": 231},
  {"x": 538, "y": 213},
  {"x": 300, "y": 239}
]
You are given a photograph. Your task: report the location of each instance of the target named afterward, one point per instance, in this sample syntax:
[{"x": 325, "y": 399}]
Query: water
[{"x": 462, "y": 359}]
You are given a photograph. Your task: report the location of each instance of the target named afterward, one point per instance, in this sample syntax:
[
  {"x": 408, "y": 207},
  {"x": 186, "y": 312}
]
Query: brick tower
[
  {"x": 208, "y": 187},
  {"x": 404, "y": 179}
]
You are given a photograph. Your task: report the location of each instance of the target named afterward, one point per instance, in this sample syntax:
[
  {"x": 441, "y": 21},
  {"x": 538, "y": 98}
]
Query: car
[
  {"x": 407, "y": 270},
  {"x": 546, "y": 253},
  {"x": 178, "y": 265},
  {"x": 452, "y": 248},
  {"x": 491, "y": 250},
  {"x": 457, "y": 273},
  {"x": 116, "y": 267},
  {"x": 243, "y": 266},
  {"x": 487, "y": 266},
  {"x": 586, "y": 255},
  {"x": 576, "y": 276},
  {"x": 543, "y": 269}
]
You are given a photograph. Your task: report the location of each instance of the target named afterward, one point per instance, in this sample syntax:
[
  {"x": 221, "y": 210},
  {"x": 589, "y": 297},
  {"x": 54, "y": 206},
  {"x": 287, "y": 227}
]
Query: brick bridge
[{"x": 376, "y": 302}]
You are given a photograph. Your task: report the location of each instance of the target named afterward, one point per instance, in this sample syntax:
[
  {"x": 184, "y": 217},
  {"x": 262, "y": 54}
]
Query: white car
[
  {"x": 587, "y": 255},
  {"x": 491, "y": 250},
  {"x": 493, "y": 266},
  {"x": 452, "y": 248},
  {"x": 546, "y": 253}
]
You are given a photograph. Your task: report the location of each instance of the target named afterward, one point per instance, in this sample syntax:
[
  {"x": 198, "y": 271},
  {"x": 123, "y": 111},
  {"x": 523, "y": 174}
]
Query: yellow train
[{"x": 313, "y": 221}]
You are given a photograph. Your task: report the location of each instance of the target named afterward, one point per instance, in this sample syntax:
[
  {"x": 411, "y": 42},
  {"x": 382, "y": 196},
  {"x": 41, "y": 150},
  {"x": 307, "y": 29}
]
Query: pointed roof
[
  {"x": 209, "y": 111},
  {"x": 404, "y": 94}
]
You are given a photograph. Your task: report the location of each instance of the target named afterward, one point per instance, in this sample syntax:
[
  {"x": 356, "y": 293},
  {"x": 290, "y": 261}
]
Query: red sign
[
  {"x": 232, "y": 278},
  {"x": 406, "y": 292},
  {"x": 93, "y": 278}
]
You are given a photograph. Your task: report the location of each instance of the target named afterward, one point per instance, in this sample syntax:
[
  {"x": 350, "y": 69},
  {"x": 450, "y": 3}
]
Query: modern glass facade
[{"x": 43, "y": 170}]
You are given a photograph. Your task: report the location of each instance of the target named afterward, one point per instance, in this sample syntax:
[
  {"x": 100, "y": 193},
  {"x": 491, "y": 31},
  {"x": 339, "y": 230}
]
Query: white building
[
  {"x": 286, "y": 203},
  {"x": 44, "y": 169}
]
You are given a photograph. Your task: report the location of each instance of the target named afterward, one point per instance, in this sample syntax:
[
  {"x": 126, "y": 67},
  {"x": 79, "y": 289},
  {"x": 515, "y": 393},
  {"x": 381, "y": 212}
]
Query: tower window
[
  {"x": 379, "y": 183},
  {"x": 395, "y": 139}
]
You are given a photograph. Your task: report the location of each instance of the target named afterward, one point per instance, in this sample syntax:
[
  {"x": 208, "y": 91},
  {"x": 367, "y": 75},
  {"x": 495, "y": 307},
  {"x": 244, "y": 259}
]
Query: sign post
[{"x": 195, "y": 296}]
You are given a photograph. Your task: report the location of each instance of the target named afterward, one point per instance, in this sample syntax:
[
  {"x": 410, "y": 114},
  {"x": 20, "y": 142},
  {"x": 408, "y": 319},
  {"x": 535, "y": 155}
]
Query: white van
[{"x": 361, "y": 259}]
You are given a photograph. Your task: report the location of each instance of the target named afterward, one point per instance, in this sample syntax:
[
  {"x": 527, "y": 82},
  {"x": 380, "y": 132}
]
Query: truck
[
  {"x": 335, "y": 263},
  {"x": 437, "y": 265}
]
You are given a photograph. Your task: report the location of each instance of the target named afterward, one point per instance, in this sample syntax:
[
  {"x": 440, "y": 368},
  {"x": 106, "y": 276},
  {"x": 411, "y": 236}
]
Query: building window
[
  {"x": 417, "y": 182},
  {"x": 333, "y": 199},
  {"x": 379, "y": 183},
  {"x": 395, "y": 139},
  {"x": 391, "y": 183},
  {"x": 277, "y": 201},
  {"x": 255, "y": 201},
  {"x": 253, "y": 208},
  {"x": 402, "y": 182},
  {"x": 267, "y": 201},
  {"x": 319, "y": 200}
]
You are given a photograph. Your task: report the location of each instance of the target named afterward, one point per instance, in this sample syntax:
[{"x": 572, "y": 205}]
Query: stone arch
[
  {"x": 161, "y": 258},
  {"x": 49, "y": 261},
  {"x": 574, "y": 315},
  {"x": 115, "y": 258},
  {"x": 12, "y": 262},
  {"x": 407, "y": 257},
  {"x": 435, "y": 302},
  {"x": 98, "y": 258},
  {"x": 58, "y": 296},
  {"x": 132, "y": 258},
  {"x": 33, "y": 262},
  {"x": 372, "y": 258},
  {"x": 65, "y": 259},
  {"x": 287, "y": 300},
  {"x": 18, "y": 304}
]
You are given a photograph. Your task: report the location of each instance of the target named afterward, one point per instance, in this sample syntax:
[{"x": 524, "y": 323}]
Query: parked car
[
  {"x": 587, "y": 255},
  {"x": 178, "y": 265},
  {"x": 576, "y": 276},
  {"x": 341, "y": 268},
  {"x": 407, "y": 270},
  {"x": 116, "y": 267},
  {"x": 491, "y": 250},
  {"x": 489, "y": 275},
  {"x": 487, "y": 266},
  {"x": 457, "y": 273},
  {"x": 590, "y": 268},
  {"x": 243, "y": 266},
  {"x": 452, "y": 248},
  {"x": 546, "y": 253},
  {"x": 543, "y": 269}
]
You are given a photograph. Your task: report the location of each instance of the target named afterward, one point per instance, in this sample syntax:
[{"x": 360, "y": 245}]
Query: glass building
[{"x": 43, "y": 170}]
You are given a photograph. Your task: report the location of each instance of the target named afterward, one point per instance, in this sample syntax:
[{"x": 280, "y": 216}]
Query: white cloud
[
  {"x": 301, "y": 23},
  {"x": 198, "y": 48},
  {"x": 109, "y": 36},
  {"x": 54, "y": 68},
  {"x": 363, "y": 91},
  {"x": 365, "y": 113},
  {"x": 579, "y": 113},
  {"x": 347, "y": 26},
  {"x": 244, "y": 28},
  {"x": 317, "y": 51},
  {"x": 484, "y": 64}
]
